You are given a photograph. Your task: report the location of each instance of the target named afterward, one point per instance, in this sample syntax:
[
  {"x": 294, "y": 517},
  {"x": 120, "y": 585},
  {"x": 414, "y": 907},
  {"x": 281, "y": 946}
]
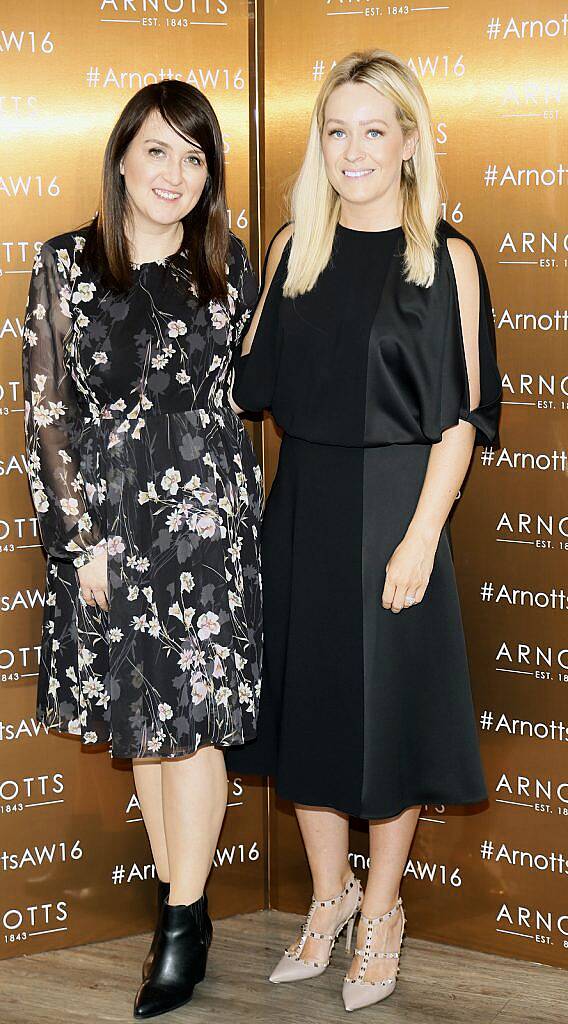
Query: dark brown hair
[{"x": 205, "y": 228}]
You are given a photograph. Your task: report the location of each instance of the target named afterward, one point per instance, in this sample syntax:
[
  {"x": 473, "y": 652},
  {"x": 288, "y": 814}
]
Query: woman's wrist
[{"x": 427, "y": 532}]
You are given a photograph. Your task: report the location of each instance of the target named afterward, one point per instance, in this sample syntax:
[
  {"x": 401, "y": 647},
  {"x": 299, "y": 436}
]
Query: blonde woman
[{"x": 372, "y": 345}]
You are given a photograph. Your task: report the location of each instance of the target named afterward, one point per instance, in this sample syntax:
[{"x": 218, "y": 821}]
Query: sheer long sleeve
[
  {"x": 245, "y": 292},
  {"x": 51, "y": 418}
]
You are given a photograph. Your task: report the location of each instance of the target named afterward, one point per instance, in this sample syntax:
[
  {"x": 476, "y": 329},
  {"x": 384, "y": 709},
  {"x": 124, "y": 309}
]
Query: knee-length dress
[
  {"x": 132, "y": 445},
  {"x": 362, "y": 710}
]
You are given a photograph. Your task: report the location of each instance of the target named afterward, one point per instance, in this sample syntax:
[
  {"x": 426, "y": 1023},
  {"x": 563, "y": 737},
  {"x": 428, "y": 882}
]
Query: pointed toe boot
[
  {"x": 179, "y": 961},
  {"x": 163, "y": 893}
]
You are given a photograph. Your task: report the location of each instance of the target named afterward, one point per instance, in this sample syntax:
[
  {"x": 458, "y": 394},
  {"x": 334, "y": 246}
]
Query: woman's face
[
  {"x": 363, "y": 145},
  {"x": 163, "y": 173}
]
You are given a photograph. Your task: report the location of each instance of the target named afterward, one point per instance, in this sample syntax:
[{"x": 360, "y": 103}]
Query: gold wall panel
[
  {"x": 75, "y": 865},
  {"x": 493, "y": 878}
]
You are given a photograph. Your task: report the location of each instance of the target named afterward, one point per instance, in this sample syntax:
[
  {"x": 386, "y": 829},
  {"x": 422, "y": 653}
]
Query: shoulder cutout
[{"x": 275, "y": 251}]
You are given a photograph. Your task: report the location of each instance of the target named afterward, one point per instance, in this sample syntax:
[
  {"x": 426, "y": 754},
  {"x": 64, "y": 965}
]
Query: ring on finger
[{"x": 410, "y": 599}]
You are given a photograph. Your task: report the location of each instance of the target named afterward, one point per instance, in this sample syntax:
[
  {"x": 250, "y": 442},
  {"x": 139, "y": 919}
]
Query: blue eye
[
  {"x": 374, "y": 132},
  {"x": 337, "y": 131}
]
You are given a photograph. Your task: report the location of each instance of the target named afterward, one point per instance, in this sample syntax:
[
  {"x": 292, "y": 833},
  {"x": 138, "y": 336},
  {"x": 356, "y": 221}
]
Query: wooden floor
[{"x": 97, "y": 983}]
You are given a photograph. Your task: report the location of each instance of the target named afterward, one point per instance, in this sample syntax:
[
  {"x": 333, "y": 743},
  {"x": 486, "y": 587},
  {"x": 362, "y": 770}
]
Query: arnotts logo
[
  {"x": 18, "y": 534},
  {"x": 18, "y": 663},
  {"x": 542, "y": 924},
  {"x": 530, "y": 659},
  {"x": 20, "y": 923},
  {"x": 108, "y": 7},
  {"x": 537, "y": 530},
  {"x": 527, "y": 789},
  {"x": 32, "y": 790},
  {"x": 531, "y": 243},
  {"x": 539, "y": 385}
]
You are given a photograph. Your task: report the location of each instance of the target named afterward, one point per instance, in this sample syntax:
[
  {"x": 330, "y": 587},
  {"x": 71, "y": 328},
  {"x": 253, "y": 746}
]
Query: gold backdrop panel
[
  {"x": 493, "y": 877},
  {"x": 76, "y": 865}
]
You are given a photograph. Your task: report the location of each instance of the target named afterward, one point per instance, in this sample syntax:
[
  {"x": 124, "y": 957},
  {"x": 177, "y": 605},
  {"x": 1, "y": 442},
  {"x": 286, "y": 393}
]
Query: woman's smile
[{"x": 168, "y": 196}]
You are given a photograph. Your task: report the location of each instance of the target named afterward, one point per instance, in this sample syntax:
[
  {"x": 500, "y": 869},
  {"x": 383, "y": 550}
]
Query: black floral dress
[{"x": 132, "y": 444}]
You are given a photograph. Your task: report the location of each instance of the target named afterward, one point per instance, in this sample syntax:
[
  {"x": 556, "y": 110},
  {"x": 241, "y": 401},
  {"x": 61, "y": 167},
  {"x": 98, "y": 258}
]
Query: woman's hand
[
  {"x": 408, "y": 571},
  {"x": 94, "y": 583}
]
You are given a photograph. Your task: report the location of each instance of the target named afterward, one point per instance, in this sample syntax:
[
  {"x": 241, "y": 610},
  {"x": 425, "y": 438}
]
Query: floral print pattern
[{"x": 132, "y": 446}]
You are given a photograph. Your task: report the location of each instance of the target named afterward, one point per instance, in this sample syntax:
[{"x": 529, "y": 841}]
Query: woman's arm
[
  {"x": 408, "y": 570},
  {"x": 274, "y": 257},
  {"x": 51, "y": 418}
]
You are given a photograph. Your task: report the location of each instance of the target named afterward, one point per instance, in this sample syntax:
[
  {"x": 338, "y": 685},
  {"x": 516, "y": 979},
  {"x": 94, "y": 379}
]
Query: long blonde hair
[{"x": 315, "y": 205}]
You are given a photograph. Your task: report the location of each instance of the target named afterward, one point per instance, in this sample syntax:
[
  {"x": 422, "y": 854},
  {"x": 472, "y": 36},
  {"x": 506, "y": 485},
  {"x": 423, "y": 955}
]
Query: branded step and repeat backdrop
[
  {"x": 75, "y": 865},
  {"x": 492, "y": 878},
  {"x": 74, "y": 861}
]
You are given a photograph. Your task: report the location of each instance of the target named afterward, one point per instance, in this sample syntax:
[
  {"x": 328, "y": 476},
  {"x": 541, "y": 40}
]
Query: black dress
[
  {"x": 362, "y": 710},
  {"x": 132, "y": 445}
]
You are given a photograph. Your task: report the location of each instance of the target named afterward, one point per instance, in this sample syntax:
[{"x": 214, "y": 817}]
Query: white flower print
[
  {"x": 219, "y": 317},
  {"x": 245, "y": 693},
  {"x": 40, "y": 500},
  {"x": 207, "y": 624},
  {"x": 70, "y": 506},
  {"x": 115, "y": 545},
  {"x": 205, "y": 526},
  {"x": 164, "y": 712},
  {"x": 185, "y": 670},
  {"x": 222, "y": 695},
  {"x": 174, "y": 521},
  {"x": 84, "y": 292},
  {"x": 185, "y": 660},
  {"x": 198, "y": 688},
  {"x": 171, "y": 480},
  {"x": 176, "y": 328},
  {"x": 187, "y": 582}
]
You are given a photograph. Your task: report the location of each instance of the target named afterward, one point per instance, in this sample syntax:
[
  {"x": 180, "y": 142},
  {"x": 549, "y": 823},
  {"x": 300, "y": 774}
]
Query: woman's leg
[
  {"x": 389, "y": 845},
  {"x": 194, "y": 800},
  {"x": 326, "y": 838},
  {"x": 148, "y": 782}
]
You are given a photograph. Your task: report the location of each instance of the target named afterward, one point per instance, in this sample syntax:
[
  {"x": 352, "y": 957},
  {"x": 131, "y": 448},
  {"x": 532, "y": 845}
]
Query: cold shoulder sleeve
[
  {"x": 51, "y": 418},
  {"x": 455, "y": 401},
  {"x": 256, "y": 373}
]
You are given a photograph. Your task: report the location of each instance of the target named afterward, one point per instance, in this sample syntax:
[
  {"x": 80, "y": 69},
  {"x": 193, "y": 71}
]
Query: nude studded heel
[
  {"x": 357, "y": 992},
  {"x": 292, "y": 967}
]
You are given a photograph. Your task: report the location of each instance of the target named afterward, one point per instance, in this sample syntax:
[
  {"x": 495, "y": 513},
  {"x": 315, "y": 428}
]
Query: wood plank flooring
[{"x": 441, "y": 984}]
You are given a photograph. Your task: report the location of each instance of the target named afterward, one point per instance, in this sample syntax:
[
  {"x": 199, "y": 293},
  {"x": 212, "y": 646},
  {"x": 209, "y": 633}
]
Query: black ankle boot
[
  {"x": 163, "y": 893},
  {"x": 179, "y": 959}
]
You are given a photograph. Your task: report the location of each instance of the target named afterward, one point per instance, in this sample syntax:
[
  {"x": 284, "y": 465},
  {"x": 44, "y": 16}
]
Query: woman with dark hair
[{"x": 149, "y": 497}]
